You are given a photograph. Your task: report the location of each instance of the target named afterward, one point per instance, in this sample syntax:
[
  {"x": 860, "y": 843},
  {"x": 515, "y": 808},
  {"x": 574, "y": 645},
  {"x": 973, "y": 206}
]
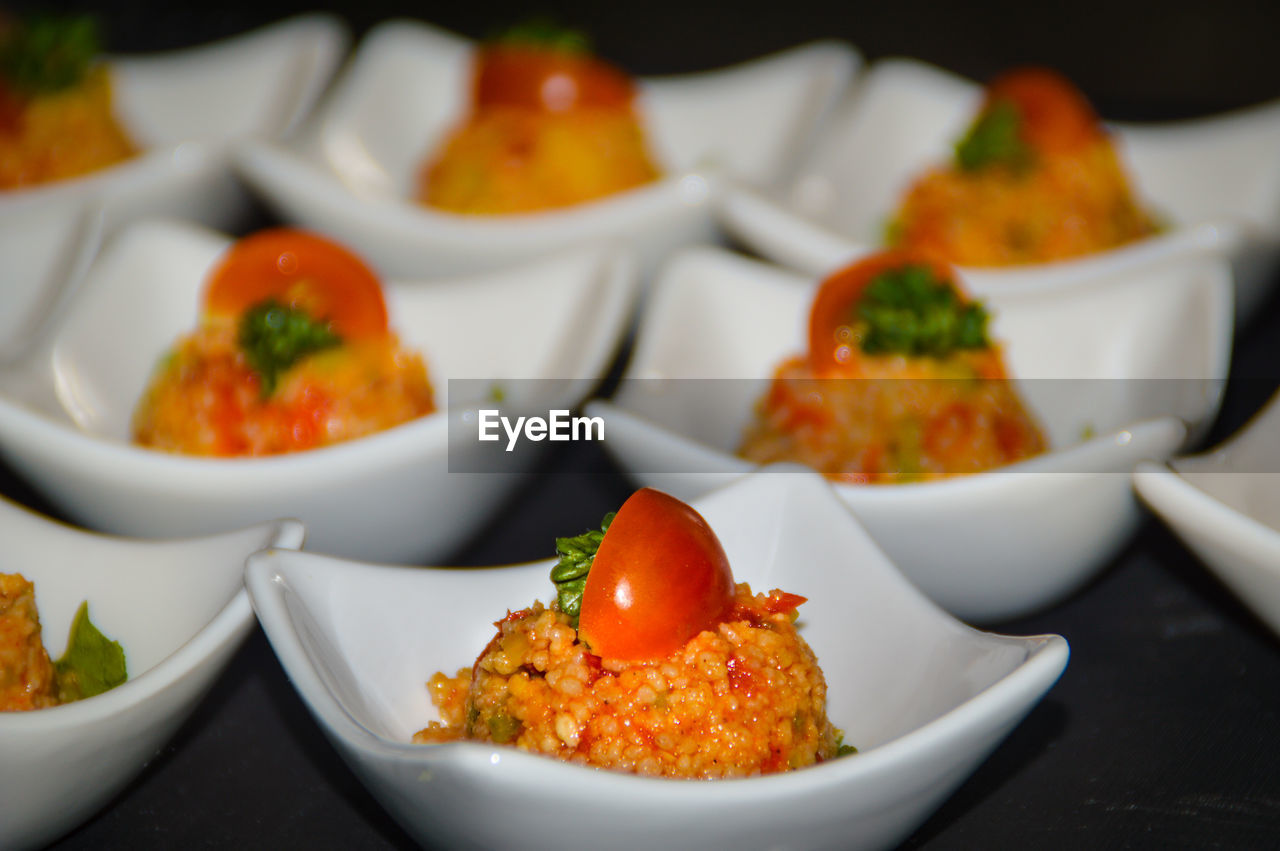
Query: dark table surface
[{"x": 1163, "y": 731}]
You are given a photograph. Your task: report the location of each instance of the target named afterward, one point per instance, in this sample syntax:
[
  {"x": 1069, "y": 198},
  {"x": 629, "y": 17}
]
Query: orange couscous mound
[
  {"x": 55, "y": 135},
  {"x": 908, "y": 419},
  {"x": 1066, "y": 206},
  {"x": 27, "y": 679},
  {"x": 513, "y": 160},
  {"x": 206, "y": 398},
  {"x": 743, "y": 699},
  {"x": 550, "y": 124},
  {"x": 1036, "y": 178}
]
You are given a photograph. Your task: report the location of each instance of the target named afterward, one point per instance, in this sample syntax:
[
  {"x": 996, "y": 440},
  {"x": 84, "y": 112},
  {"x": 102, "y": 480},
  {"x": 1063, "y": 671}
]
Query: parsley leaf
[
  {"x": 91, "y": 664},
  {"x": 544, "y": 32},
  {"x": 909, "y": 311},
  {"x": 994, "y": 139},
  {"x": 570, "y": 573},
  {"x": 274, "y": 337},
  {"x": 46, "y": 54}
]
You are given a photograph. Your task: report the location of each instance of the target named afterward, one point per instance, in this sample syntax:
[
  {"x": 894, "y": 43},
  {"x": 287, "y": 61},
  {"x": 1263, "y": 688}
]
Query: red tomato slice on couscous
[
  {"x": 833, "y": 313},
  {"x": 301, "y": 270},
  {"x": 548, "y": 79},
  {"x": 660, "y": 577},
  {"x": 1055, "y": 116}
]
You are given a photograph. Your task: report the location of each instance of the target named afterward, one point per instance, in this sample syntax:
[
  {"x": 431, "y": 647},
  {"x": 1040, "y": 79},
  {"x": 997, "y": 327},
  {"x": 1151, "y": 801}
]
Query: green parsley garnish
[
  {"x": 45, "y": 53},
  {"x": 274, "y": 337},
  {"x": 570, "y": 573},
  {"x": 544, "y": 32},
  {"x": 994, "y": 139},
  {"x": 92, "y": 662},
  {"x": 909, "y": 311}
]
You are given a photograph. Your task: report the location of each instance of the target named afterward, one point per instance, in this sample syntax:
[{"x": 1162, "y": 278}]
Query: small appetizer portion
[
  {"x": 292, "y": 352},
  {"x": 651, "y": 661},
  {"x": 901, "y": 382},
  {"x": 550, "y": 125},
  {"x": 56, "y": 119},
  {"x": 1035, "y": 178},
  {"x": 29, "y": 679}
]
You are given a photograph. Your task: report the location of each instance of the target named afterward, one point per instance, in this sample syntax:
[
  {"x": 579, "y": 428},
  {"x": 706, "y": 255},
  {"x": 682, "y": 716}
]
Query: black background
[{"x": 1163, "y": 731}]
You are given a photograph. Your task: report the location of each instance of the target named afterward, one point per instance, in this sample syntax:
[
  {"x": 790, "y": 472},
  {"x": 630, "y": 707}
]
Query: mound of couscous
[
  {"x": 742, "y": 695},
  {"x": 550, "y": 125},
  {"x": 206, "y": 398},
  {"x": 283, "y": 361},
  {"x": 901, "y": 383},
  {"x": 26, "y": 675},
  {"x": 910, "y": 422},
  {"x": 511, "y": 160},
  {"x": 56, "y": 116},
  {"x": 1035, "y": 179}
]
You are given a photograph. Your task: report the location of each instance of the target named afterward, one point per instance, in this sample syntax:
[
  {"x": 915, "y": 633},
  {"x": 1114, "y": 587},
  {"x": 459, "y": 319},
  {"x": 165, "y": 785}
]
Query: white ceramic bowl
[
  {"x": 923, "y": 697},
  {"x": 352, "y": 173},
  {"x": 1092, "y": 358},
  {"x": 185, "y": 108},
  {"x": 179, "y": 610},
  {"x": 1216, "y": 180},
  {"x": 45, "y": 253},
  {"x": 1225, "y": 504},
  {"x": 65, "y": 409}
]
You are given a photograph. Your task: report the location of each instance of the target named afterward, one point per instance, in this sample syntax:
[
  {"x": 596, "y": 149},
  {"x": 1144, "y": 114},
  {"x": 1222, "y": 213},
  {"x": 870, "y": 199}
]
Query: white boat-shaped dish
[
  {"x": 1215, "y": 180},
  {"x": 923, "y": 697},
  {"x": 65, "y": 409},
  {"x": 45, "y": 254},
  {"x": 1225, "y": 504},
  {"x": 179, "y": 610},
  {"x": 352, "y": 173},
  {"x": 185, "y": 108},
  {"x": 1135, "y": 359}
]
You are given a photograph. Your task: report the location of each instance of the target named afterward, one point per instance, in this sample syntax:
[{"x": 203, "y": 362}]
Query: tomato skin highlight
[
  {"x": 838, "y": 295},
  {"x": 659, "y": 578},
  {"x": 548, "y": 79},
  {"x": 1056, "y": 116},
  {"x": 302, "y": 270}
]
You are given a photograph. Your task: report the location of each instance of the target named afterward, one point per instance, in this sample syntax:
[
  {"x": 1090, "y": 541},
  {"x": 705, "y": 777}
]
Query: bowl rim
[{"x": 1186, "y": 507}]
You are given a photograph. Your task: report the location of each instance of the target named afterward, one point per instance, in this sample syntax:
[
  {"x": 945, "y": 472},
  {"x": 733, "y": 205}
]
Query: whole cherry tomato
[
  {"x": 832, "y": 346},
  {"x": 659, "y": 578},
  {"x": 548, "y": 79},
  {"x": 301, "y": 270},
  {"x": 1056, "y": 116}
]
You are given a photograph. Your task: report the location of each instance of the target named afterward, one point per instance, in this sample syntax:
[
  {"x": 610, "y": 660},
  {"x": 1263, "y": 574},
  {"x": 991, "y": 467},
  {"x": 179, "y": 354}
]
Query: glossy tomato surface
[
  {"x": 1056, "y": 116},
  {"x": 659, "y": 578},
  {"x": 548, "y": 79},
  {"x": 301, "y": 270}
]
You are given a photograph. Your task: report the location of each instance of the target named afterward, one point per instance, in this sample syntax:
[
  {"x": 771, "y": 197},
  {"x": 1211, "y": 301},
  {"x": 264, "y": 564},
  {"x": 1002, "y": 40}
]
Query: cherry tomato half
[
  {"x": 659, "y": 578},
  {"x": 548, "y": 79},
  {"x": 832, "y": 346},
  {"x": 1056, "y": 116},
  {"x": 301, "y": 270}
]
